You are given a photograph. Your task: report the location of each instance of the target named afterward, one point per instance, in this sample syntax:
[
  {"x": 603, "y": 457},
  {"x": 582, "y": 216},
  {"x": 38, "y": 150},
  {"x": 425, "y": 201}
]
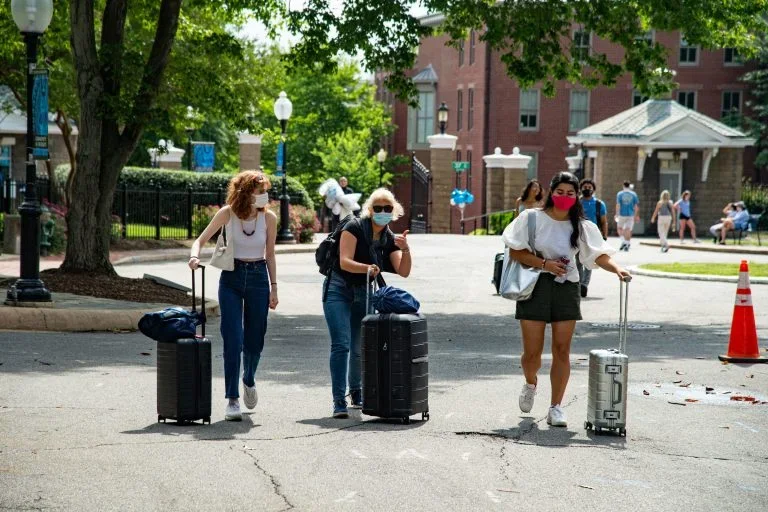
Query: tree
[
  {"x": 758, "y": 121},
  {"x": 348, "y": 154}
]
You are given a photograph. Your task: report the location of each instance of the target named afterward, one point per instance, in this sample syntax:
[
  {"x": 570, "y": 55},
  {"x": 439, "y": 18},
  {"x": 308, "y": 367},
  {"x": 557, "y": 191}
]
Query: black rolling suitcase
[
  {"x": 498, "y": 265},
  {"x": 184, "y": 374},
  {"x": 395, "y": 363}
]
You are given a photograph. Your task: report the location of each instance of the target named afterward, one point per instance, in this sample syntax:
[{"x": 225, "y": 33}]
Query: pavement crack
[{"x": 276, "y": 487}]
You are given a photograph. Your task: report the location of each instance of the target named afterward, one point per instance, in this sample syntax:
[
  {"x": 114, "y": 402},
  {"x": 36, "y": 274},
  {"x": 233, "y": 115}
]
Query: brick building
[{"x": 488, "y": 109}]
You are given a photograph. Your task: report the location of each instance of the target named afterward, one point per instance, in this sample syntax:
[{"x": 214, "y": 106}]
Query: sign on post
[
  {"x": 460, "y": 166},
  {"x": 204, "y": 155},
  {"x": 40, "y": 113},
  {"x": 279, "y": 169}
]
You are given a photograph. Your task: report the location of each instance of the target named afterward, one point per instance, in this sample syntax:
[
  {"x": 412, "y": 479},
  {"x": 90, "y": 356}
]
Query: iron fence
[{"x": 12, "y": 193}]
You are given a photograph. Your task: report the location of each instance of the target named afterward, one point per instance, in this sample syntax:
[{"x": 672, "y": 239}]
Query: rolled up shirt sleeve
[
  {"x": 592, "y": 245},
  {"x": 515, "y": 235}
]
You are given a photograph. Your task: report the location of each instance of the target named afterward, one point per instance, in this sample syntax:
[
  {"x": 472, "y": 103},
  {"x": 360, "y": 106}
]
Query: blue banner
[
  {"x": 203, "y": 155},
  {"x": 279, "y": 169},
  {"x": 40, "y": 113}
]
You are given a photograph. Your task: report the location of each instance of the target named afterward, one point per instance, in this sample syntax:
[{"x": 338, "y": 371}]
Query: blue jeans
[
  {"x": 344, "y": 309},
  {"x": 244, "y": 303}
]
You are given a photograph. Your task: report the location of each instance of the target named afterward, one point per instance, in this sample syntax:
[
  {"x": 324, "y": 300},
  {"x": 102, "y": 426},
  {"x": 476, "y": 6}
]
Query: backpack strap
[{"x": 367, "y": 227}]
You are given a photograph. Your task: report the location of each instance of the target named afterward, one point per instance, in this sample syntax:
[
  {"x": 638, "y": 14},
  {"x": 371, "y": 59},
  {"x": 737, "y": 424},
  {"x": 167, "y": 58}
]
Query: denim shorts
[{"x": 551, "y": 301}]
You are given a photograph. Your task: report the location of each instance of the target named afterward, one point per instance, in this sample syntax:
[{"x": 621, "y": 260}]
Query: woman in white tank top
[{"x": 248, "y": 292}]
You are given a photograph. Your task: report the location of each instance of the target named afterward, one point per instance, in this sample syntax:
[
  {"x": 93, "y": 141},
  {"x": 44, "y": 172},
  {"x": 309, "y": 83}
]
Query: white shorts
[{"x": 626, "y": 222}]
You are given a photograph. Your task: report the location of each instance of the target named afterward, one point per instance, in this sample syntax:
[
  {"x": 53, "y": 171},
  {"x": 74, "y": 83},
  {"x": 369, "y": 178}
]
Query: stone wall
[{"x": 443, "y": 182}]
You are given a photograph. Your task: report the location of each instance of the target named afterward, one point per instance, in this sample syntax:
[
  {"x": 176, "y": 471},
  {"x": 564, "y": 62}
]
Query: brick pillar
[
  {"x": 443, "y": 180},
  {"x": 250, "y": 151},
  {"x": 494, "y": 192},
  {"x": 514, "y": 182}
]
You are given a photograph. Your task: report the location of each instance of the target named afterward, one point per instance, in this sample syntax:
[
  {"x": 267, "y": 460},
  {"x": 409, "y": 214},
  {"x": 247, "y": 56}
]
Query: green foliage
[
  {"x": 58, "y": 238},
  {"x": 497, "y": 222},
  {"x": 757, "y": 123},
  {"x": 304, "y": 222},
  {"x": 479, "y": 232},
  {"x": 142, "y": 178},
  {"x": 755, "y": 197},
  {"x": 201, "y": 217}
]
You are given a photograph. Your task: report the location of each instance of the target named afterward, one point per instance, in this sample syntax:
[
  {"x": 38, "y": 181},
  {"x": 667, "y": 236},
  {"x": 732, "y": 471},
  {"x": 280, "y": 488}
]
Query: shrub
[
  {"x": 304, "y": 222},
  {"x": 479, "y": 232},
  {"x": 498, "y": 221},
  {"x": 201, "y": 217},
  {"x": 59, "y": 237},
  {"x": 173, "y": 180},
  {"x": 755, "y": 197}
]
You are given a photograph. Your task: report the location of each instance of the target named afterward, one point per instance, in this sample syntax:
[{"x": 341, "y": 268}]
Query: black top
[
  {"x": 362, "y": 230},
  {"x": 347, "y": 190}
]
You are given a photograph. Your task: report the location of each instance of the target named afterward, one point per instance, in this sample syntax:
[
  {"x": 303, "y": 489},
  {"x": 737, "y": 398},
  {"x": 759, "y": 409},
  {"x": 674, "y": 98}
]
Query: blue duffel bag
[
  {"x": 389, "y": 299},
  {"x": 170, "y": 324}
]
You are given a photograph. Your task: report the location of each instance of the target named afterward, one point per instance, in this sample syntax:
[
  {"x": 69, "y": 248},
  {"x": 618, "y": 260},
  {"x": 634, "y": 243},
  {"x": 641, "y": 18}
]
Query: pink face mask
[{"x": 563, "y": 202}]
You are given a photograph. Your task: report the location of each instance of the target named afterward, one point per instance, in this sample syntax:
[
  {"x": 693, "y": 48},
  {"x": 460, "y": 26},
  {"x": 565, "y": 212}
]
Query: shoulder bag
[
  {"x": 518, "y": 280},
  {"x": 223, "y": 256}
]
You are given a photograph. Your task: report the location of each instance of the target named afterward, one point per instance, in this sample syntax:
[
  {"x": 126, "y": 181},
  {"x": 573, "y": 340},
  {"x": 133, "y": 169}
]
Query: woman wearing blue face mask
[{"x": 367, "y": 245}]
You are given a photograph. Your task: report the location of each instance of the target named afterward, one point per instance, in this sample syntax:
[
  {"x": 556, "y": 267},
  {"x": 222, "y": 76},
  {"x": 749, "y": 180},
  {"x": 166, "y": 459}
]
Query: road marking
[
  {"x": 358, "y": 455},
  {"x": 493, "y": 497},
  {"x": 465, "y": 455},
  {"x": 99, "y": 384},
  {"x": 746, "y": 427},
  {"x": 449, "y": 415},
  {"x": 410, "y": 452},
  {"x": 347, "y": 499}
]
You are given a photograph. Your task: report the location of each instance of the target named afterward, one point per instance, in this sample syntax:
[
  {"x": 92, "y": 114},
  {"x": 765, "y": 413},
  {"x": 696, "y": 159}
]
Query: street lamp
[
  {"x": 283, "y": 110},
  {"x": 442, "y": 117},
  {"x": 190, "y": 129},
  {"x": 32, "y": 17},
  {"x": 381, "y": 156},
  {"x": 161, "y": 149}
]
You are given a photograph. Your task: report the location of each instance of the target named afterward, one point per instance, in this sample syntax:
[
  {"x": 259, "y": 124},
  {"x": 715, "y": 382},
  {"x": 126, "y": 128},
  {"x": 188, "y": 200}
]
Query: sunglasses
[{"x": 382, "y": 208}]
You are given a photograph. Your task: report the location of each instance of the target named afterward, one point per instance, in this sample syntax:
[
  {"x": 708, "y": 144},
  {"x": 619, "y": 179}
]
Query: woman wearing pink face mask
[{"x": 562, "y": 232}]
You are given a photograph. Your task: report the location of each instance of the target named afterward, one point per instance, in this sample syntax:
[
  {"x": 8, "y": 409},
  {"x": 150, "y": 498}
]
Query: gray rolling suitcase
[{"x": 608, "y": 369}]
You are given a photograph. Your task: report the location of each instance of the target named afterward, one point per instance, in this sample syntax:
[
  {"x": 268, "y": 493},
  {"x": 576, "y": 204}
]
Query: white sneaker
[
  {"x": 232, "y": 412},
  {"x": 526, "y": 397},
  {"x": 556, "y": 417},
  {"x": 250, "y": 396}
]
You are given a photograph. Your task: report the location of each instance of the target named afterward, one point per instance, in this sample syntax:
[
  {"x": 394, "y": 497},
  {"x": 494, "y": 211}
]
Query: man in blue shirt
[
  {"x": 627, "y": 213},
  {"x": 596, "y": 212},
  {"x": 737, "y": 217}
]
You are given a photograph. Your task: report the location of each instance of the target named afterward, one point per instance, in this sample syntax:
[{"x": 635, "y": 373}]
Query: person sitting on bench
[{"x": 737, "y": 218}]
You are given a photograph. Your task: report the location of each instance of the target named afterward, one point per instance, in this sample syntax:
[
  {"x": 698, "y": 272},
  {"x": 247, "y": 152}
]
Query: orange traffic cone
[{"x": 742, "y": 346}]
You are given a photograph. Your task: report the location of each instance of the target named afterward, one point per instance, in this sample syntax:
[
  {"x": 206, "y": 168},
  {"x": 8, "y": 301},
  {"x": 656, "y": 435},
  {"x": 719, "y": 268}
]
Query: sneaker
[
  {"x": 626, "y": 248},
  {"x": 526, "y": 397},
  {"x": 250, "y": 396},
  {"x": 556, "y": 417},
  {"x": 357, "y": 398},
  {"x": 623, "y": 245},
  {"x": 340, "y": 409},
  {"x": 233, "y": 411},
  {"x": 583, "y": 291},
  {"x": 697, "y": 241},
  {"x": 665, "y": 248}
]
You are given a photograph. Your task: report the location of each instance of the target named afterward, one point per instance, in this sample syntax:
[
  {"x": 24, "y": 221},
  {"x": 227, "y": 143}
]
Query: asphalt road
[{"x": 78, "y": 421}]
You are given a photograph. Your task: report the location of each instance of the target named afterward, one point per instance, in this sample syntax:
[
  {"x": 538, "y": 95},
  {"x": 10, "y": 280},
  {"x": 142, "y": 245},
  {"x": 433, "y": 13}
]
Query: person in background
[
  {"x": 627, "y": 213},
  {"x": 596, "y": 212},
  {"x": 683, "y": 206},
  {"x": 736, "y": 217},
  {"x": 663, "y": 213},
  {"x": 344, "y": 184},
  {"x": 530, "y": 197},
  {"x": 562, "y": 232}
]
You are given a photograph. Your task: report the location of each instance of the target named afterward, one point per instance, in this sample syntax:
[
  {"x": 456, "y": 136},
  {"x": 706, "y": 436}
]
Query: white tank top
[{"x": 249, "y": 237}]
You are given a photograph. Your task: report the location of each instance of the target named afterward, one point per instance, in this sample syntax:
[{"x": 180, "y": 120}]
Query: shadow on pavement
[{"x": 216, "y": 431}]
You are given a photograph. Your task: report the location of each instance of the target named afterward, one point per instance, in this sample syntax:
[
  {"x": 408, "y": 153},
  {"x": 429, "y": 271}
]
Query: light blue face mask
[{"x": 382, "y": 219}]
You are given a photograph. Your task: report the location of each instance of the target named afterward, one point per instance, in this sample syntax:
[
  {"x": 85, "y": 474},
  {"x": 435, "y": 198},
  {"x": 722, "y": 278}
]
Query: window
[
  {"x": 732, "y": 57},
  {"x": 731, "y": 108},
  {"x": 533, "y": 165},
  {"x": 459, "y": 109},
  {"x": 638, "y": 98},
  {"x": 458, "y": 174},
  {"x": 461, "y": 53},
  {"x": 469, "y": 172},
  {"x": 579, "y": 113},
  {"x": 425, "y": 116},
  {"x": 471, "y": 47},
  {"x": 580, "y": 45},
  {"x": 471, "y": 108},
  {"x": 687, "y": 99},
  {"x": 529, "y": 109},
  {"x": 688, "y": 54},
  {"x": 647, "y": 37}
]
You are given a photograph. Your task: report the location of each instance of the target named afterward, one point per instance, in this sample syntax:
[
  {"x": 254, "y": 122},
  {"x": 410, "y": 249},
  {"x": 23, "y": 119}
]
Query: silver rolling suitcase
[{"x": 608, "y": 368}]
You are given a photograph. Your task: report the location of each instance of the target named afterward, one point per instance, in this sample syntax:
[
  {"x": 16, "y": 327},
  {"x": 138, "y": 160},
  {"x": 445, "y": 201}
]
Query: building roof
[
  {"x": 15, "y": 123},
  {"x": 426, "y": 76},
  {"x": 661, "y": 121}
]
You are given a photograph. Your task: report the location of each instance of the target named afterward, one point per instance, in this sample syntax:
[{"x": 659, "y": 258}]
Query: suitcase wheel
[
  {"x": 160, "y": 418},
  {"x": 623, "y": 432},
  {"x": 598, "y": 430},
  {"x": 406, "y": 420},
  {"x": 587, "y": 425},
  {"x": 207, "y": 420},
  {"x": 425, "y": 416}
]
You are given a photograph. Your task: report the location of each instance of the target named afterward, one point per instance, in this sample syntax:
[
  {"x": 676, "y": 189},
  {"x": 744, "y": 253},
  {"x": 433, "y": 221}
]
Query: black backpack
[{"x": 327, "y": 253}]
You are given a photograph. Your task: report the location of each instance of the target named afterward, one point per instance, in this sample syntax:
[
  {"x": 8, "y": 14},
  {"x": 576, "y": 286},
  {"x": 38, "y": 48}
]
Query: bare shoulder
[
  {"x": 270, "y": 216},
  {"x": 224, "y": 213}
]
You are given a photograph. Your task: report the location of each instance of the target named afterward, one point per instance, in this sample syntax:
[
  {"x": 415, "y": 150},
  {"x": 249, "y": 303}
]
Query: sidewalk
[
  {"x": 710, "y": 247},
  {"x": 78, "y": 313}
]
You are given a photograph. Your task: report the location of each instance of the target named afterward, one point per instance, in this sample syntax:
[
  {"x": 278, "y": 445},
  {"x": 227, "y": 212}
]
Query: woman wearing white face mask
[
  {"x": 248, "y": 292},
  {"x": 367, "y": 245}
]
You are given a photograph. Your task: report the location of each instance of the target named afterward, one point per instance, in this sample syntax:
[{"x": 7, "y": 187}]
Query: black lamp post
[
  {"x": 32, "y": 17},
  {"x": 190, "y": 129},
  {"x": 381, "y": 156},
  {"x": 283, "y": 110},
  {"x": 442, "y": 117}
]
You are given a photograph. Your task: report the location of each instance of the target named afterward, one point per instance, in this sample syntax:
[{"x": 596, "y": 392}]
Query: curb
[
  {"x": 182, "y": 256},
  {"x": 636, "y": 271},
  {"x": 79, "y": 320},
  {"x": 728, "y": 249}
]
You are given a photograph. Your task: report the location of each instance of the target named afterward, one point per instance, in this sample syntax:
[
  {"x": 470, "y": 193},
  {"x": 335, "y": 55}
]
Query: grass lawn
[
  {"x": 148, "y": 231},
  {"x": 710, "y": 269}
]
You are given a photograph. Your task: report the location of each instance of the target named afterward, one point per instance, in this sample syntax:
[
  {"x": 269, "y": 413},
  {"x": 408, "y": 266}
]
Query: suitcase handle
[
  {"x": 202, "y": 299},
  {"x": 623, "y": 306},
  {"x": 370, "y": 285},
  {"x": 618, "y": 395}
]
